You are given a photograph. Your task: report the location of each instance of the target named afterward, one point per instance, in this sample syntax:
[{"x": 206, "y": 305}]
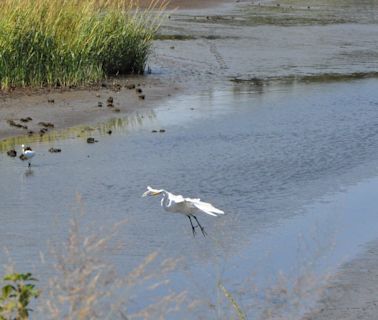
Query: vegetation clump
[
  {"x": 73, "y": 42},
  {"x": 16, "y": 296}
]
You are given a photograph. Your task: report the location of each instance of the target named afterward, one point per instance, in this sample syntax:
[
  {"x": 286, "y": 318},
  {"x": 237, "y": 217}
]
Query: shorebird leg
[
  {"x": 202, "y": 228},
  {"x": 193, "y": 227}
]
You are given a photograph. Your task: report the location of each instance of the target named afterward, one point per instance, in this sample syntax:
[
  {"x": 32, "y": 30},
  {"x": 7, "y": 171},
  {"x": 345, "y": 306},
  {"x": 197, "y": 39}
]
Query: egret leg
[
  {"x": 193, "y": 227},
  {"x": 202, "y": 228}
]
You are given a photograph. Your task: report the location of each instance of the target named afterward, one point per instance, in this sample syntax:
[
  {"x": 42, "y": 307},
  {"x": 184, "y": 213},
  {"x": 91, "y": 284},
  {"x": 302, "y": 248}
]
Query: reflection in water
[
  {"x": 130, "y": 122},
  {"x": 29, "y": 172}
]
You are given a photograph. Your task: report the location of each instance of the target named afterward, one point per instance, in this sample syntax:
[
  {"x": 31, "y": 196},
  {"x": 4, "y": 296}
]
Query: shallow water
[{"x": 294, "y": 167}]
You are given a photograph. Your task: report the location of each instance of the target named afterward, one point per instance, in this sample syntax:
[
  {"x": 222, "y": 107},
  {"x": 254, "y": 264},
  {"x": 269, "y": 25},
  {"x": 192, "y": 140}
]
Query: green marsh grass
[{"x": 74, "y": 42}]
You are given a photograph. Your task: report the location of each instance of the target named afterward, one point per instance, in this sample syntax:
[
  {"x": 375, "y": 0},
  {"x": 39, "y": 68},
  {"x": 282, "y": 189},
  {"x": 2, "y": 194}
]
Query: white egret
[
  {"x": 27, "y": 154},
  {"x": 186, "y": 206}
]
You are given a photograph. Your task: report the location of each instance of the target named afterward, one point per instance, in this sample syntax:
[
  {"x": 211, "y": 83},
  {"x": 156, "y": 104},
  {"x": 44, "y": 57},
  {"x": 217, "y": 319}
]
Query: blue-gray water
[{"x": 294, "y": 167}]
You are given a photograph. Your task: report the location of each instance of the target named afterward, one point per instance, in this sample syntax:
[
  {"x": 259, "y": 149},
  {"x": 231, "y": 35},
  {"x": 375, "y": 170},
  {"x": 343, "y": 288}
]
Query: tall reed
[{"x": 73, "y": 42}]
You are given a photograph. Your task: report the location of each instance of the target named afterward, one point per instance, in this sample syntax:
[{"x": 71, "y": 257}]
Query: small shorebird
[
  {"x": 186, "y": 206},
  {"x": 27, "y": 154}
]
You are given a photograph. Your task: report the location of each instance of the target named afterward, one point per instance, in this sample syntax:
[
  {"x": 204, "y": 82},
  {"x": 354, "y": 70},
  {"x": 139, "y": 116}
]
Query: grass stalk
[{"x": 239, "y": 312}]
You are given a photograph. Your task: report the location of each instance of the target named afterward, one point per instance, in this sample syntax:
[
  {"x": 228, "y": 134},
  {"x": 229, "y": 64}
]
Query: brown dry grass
[{"x": 88, "y": 286}]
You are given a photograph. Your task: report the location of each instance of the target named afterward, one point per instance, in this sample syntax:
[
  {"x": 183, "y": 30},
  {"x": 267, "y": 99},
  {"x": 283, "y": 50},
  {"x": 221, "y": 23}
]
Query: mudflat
[
  {"x": 351, "y": 293},
  {"x": 67, "y": 108},
  {"x": 188, "y": 4}
]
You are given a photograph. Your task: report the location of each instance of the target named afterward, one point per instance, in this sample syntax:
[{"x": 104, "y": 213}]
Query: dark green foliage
[{"x": 16, "y": 295}]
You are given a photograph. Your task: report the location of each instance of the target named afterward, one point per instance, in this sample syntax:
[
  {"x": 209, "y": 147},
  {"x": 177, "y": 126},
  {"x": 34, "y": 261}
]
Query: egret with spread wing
[{"x": 186, "y": 206}]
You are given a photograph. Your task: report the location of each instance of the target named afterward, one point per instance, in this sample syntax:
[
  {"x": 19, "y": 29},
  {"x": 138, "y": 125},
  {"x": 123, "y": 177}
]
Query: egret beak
[{"x": 150, "y": 193}]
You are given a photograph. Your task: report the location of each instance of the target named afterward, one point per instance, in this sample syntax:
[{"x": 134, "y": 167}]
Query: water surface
[{"x": 293, "y": 166}]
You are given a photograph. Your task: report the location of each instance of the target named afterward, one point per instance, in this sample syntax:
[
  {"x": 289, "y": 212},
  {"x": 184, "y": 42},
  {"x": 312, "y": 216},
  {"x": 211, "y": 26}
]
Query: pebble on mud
[
  {"x": 117, "y": 87},
  {"x": 50, "y": 100},
  {"x": 46, "y": 124},
  {"x": 91, "y": 140},
  {"x": 12, "y": 153},
  {"x": 109, "y": 102},
  {"x": 99, "y": 104},
  {"x": 130, "y": 86},
  {"x": 142, "y": 97},
  {"x": 17, "y": 125},
  {"x": 55, "y": 150},
  {"x": 138, "y": 90}
]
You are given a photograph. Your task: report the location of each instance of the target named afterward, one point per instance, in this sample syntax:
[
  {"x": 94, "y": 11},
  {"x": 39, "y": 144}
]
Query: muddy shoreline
[
  {"x": 69, "y": 108},
  {"x": 66, "y": 108},
  {"x": 350, "y": 294}
]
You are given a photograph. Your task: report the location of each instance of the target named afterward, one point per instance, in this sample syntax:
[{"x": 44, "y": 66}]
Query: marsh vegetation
[{"x": 69, "y": 43}]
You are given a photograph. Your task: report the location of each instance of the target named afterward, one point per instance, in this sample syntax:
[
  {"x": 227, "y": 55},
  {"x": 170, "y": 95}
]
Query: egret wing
[
  {"x": 175, "y": 198},
  {"x": 154, "y": 190},
  {"x": 205, "y": 207}
]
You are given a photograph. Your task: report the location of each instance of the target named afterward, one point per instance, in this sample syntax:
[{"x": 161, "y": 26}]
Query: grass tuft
[{"x": 73, "y": 42}]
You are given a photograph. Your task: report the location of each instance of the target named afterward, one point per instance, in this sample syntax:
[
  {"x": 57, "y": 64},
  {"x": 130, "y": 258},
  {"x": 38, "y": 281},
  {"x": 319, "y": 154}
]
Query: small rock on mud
[
  {"x": 130, "y": 86},
  {"x": 91, "y": 140},
  {"x": 12, "y": 153}
]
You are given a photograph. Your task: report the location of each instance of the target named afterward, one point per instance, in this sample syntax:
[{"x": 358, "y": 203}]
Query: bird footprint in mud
[{"x": 218, "y": 57}]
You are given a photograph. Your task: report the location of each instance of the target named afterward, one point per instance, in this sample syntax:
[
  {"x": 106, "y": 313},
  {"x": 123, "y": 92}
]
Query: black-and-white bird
[
  {"x": 187, "y": 206},
  {"x": 27, "y": 154}
]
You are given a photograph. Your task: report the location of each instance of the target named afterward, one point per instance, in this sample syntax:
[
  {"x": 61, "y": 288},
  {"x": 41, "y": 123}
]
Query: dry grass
[
  {"x": 288, "y": 295},
  {"x": 88, "y": 286}
]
